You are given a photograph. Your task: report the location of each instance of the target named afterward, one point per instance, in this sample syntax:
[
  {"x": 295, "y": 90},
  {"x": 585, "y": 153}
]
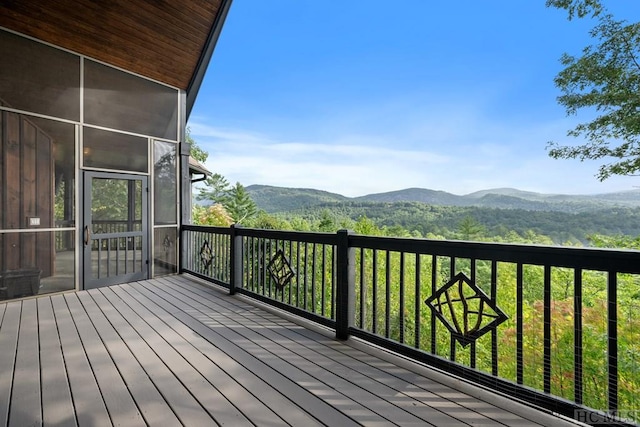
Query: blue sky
[{"x": 359, "y": 97}]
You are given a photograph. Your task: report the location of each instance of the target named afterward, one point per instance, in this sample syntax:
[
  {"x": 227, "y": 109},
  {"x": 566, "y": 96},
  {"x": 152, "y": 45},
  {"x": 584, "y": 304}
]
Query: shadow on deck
[{"x": 172, "y": 351}]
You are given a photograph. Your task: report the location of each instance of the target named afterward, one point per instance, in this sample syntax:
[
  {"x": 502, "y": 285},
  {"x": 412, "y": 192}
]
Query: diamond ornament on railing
[
  {"x": 206, "y": 254},
  {"x": 466, "y": 311},
  {"x": 280, "y": 270}
]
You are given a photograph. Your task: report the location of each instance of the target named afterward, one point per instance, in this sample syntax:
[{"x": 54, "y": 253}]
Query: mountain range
[{"x": 283, "y": 199}]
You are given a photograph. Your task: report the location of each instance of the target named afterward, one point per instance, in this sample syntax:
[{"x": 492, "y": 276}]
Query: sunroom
[{"x": 94, "y": 99}]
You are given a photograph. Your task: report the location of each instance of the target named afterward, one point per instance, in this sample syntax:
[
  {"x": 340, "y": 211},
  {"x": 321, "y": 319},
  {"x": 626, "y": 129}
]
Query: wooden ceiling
[{"x": 164, "y": 40}]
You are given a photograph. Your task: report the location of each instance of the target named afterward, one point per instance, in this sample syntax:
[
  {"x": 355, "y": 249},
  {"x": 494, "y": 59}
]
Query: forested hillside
[
  {"x": 282, "y": 199},
  {"x": 563, "y": 219}
]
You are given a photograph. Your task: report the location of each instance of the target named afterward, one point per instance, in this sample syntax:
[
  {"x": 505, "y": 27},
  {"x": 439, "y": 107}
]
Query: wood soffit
[{"x": 159, "y": 39}]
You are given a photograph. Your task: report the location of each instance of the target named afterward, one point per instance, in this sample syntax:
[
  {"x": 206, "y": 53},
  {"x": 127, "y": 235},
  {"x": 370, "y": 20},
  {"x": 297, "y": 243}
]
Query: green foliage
[
  {"x": 618, "y": 241},
  {"x": 237, "y": 203},
  {"x": 110, "y": 199},
  {"x": 578, "y": 8},
  {"x": 605, "y": 78},
  {"x": 267, "y": 222},
  {"x": 195, "y": 150},
  {"x": 470, "y": 229},
  {"x": 214, "y": 215},
  {"x": 216, "y": 189},
  {"x": 451, "y": 222},
  {"x": 367, "y": 227},
  {"x": 240, "y": 205},
  {"x": 327, "y": 223}
]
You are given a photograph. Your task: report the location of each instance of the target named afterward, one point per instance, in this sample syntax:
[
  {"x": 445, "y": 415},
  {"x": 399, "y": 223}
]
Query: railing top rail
[
  {"x": 618, "y": 260},
  {"x": 296, "y": 236},
  {"x": 206, "y": 229},
  {"x": 115, "y": 221}
]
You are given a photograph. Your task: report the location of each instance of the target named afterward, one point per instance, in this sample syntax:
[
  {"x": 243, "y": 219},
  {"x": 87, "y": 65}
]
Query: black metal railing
[{"x": 554, "y": 326}]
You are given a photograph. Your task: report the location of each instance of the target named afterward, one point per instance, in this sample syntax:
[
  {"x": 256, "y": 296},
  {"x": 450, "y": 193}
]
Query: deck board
[
  {"x": 26, "y": 380},
  {"x": 8, "y": 344},
  {"x": 170, "y": 351},
  {"x": 121, "y": 406},
  {"x": 57, "y": 402},
  {"x": 87, "y": 399}
]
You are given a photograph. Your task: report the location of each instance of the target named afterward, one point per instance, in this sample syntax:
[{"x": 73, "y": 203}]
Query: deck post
[
  {"x": 345, "y": 285},
  {"x": 236, "y": 260}
]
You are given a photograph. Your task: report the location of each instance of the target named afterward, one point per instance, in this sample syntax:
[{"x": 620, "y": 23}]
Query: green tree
[
  {"x": 619, "y": 241},
  {"x": 240, "y": 206},
  {"x": 215, "y": 215},
  {"x": 268, "y": 222},
  {"x": 367, "y": 227},
  {"x": 604, "y": 78},
  {"x": 469, "y": 228},
  {"x": 216, "y": 189},
  {"x": 194, "y": 149},
  {"x": 327, "y": 222}
]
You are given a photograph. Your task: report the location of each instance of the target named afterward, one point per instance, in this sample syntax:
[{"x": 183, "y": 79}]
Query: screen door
[{"x": 115, "y": 232}]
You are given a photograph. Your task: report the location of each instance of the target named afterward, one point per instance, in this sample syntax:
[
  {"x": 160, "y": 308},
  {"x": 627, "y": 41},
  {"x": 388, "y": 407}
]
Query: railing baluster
[
  {"x": 401, "y": 311},
  {"x": 577, "y": 335},
  {"x": 418, "y": 303},
  {"x": 452, "y": 267},
  {"x": 494, "y": 332},
  {"x": 474, "y": 278},
  {"x": 334, "y": 280},
  {"x": 452, "y": 272},
  {"x": 324, "y": 280},
  {"x": 434, "y": 285},
  {"x": 313, "y": 278},
  {"x": 248, "y": 247},
  {"x": 519, "y": 326},
  {"x": 305, "y": 276},
  {"x": 374, "y": 289},
  {"x": 547, "y": 330},
  {"x": 363, "y": 290},
  {"x": 280, "y": 246},
  {"x": 108, "y": 257},
  {"x": 118, "y": 256},
  {"x": 387, "y": 290},
  {"x": 255, "y": 247},
  {"x": 298, "y": 274},
  {"x": 612, "y": 339},
  {"x": 290, "y": 258},
  {"x": 262, "y": 247},
  {"x": 225, "y": 265}
]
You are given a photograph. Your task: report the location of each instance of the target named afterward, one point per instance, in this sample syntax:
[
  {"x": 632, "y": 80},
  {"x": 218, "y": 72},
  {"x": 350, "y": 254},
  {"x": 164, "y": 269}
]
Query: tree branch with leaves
[{"x": 605, "y": 79}]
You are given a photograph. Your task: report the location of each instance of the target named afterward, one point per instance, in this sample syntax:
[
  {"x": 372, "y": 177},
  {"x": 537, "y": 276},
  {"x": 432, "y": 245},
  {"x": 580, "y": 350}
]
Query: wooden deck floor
[{"x": 170, "y": 352}]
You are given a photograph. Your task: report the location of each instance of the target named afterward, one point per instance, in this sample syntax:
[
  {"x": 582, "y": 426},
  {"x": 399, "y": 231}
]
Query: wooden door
[{"x": 26, "y": 191}]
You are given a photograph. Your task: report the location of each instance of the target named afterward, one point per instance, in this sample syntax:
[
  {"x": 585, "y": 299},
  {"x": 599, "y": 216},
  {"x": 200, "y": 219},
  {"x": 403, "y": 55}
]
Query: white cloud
[{"x": 451, "y": 151}]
